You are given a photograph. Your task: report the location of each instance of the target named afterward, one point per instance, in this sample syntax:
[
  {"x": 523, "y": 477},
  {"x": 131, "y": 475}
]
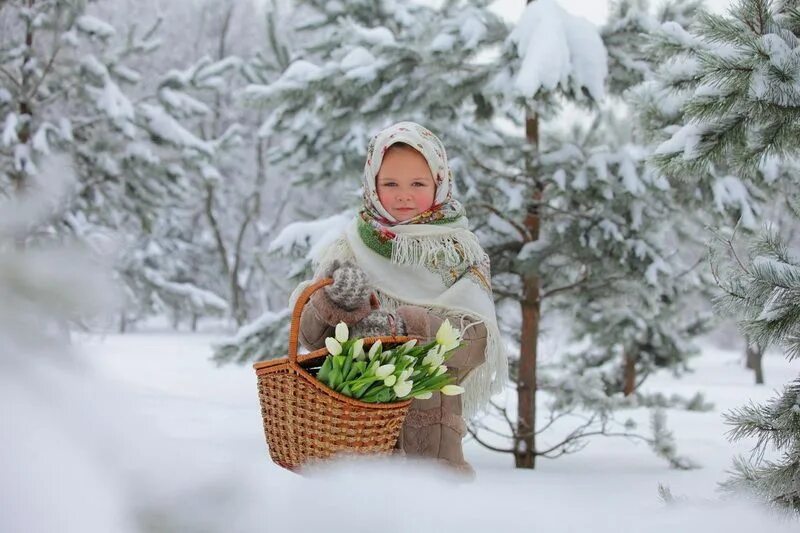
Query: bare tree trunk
[
  {"x": 754, "y": 356},
  {"x": 525, "y": 436},
  {"x": 629, "y": 373}
]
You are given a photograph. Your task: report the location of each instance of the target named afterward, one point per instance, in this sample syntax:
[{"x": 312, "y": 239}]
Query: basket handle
[{"x": 302, "y": 300}]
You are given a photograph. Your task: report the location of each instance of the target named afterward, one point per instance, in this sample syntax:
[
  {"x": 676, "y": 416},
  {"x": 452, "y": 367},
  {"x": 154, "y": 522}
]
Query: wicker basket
[{"x": 305, "y": 421}]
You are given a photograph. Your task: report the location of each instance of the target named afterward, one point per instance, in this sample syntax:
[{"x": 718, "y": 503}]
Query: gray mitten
[
  {"x": 379, "y": 323},
  {"x": 351, "y": 288}
]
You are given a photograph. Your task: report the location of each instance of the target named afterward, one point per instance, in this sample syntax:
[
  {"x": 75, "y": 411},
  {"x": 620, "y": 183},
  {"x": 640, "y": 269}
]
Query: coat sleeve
[
  {"x": 424, "y": 324},
  {"x": 320, "y": 316}
]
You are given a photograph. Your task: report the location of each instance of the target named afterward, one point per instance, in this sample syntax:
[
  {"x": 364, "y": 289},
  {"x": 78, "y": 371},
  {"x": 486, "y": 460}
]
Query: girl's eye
[{"x": 419, "y": 183}]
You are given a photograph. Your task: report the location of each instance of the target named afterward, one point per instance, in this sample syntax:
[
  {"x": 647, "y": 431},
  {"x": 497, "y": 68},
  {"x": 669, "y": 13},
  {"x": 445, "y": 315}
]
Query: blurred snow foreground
[{"x": 77, "y": 456}]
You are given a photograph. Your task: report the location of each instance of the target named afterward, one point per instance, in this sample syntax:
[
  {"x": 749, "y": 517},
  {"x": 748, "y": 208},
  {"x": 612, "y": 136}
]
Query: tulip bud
[
  {"x": 358, "y": 350},
  {"x": 342, "y": 333},
  {"x": 390, "y": 380},
  {"x": 410, "y": 344},
  {"x": 452, "y": 390},
  {"x": 334, "y": 348},
  {"x": 403, "y": 388},
  {"x": 384, "y": 371},
  {"x": 374, "y": 350},
  {"x": 423, "y": 395}
]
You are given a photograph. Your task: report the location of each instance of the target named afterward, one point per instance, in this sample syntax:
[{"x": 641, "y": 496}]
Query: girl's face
[{"x": 404, "y": 183}]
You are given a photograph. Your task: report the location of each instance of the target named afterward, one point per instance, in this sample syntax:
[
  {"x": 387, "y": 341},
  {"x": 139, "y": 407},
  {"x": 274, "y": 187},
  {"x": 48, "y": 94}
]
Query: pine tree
[
  {"x": 761, "y": 291},
  {"x": 743, "y": 107},
  {"x": 68, "y": 86},
  {"x": 388, "y": 60},
  {"x": 717, "y": 111},
  {"x": 721, "y": 192}
]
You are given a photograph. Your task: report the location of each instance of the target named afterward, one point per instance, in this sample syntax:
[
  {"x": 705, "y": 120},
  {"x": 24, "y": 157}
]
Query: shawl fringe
[{"x": 453, "y": 248}]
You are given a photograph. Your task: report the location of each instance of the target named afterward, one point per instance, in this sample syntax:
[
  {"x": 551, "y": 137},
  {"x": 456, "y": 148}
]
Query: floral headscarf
[{"x": 444, "y": 207}]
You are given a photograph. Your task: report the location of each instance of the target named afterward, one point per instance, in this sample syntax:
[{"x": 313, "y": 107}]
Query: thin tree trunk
[
  {"x": 629, "y": 373},
  {"x": 525, "y": 438},
  {"x": 754, "y": 357}
]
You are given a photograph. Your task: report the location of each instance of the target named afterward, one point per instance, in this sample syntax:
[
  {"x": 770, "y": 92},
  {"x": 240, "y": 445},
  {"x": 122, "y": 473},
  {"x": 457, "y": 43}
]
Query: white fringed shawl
[{"x": 406, "y": 280}]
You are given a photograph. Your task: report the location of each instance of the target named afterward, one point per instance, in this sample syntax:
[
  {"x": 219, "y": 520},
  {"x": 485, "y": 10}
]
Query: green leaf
[
  {"x": 348, "y": 363},
  {"x": 324, "y": 372}
]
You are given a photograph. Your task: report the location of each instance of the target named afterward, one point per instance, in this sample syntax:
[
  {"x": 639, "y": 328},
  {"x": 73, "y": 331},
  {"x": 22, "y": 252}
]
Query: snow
[
  {"x": 443, "y": 42},
  {"x": 472, "y": 31},
  {"x": 679, "y": 35},
  {"x": 40, "y": 143},
  {"x": 316, "y": 234},
  {"x": 182, "y": 102},
  {"x": 198, "y": 297},
  {"x": 9, "y": 135},
  {"x": 377, "y": 36},
  {"x": 110, "y": 99},
  {"x": 194, "y": 430},
  {"x": 169, "y": 129},
  {"x": 296, "y": 76},
  {"x": 95, "y": 26},
  {"x": 685, "y": 139},
  {"x": 359, "y": 63},
  {"x": 558, "y": 49},
  {"x": 730, "y": 191},
  {"x": 263, "y": 322}
]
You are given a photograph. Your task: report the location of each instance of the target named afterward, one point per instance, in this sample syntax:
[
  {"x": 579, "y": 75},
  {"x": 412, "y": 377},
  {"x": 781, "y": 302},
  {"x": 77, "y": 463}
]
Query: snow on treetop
[
  {"x": 685, "y": 139},
  {"x": 443, "y": 42},
  {"x": 378, "y": 36},
  {"x": 357, "y": 57},
  {"x": 472, "y": 31},
  {"x": 558, "y": 49},
  {"x": 95, "y": 26},
  {"x": 296, "y": 76},
  {"x": 162, "y": 124},
  {"x": 730, "y": 191},
  {"x": 679, "y": 35}
]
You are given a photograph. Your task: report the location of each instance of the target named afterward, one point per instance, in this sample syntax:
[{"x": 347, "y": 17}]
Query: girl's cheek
[{"x": 424, "y": 201}]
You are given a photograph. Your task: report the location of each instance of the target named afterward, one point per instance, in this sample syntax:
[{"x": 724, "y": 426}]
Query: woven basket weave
[{"x": 305, "y": 421}]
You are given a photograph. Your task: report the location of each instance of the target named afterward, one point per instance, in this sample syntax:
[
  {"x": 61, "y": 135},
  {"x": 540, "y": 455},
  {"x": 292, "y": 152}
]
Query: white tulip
[
  {"x": 390, "y": 380},
  {"x": 410, "y": 344},
  {"x": 334, "y": 348},
  {"x": 447, "y": 336},
  {"x": 402, "y": 388},
  {"x": 374, "y": 350},
  {"x": 405, "y": 374},
  {"x": 342, "y": 333},
  {"x": 452, "y": 390},
  {"x": 358, "y": 350},
  {"x": 423, "y": 395},
  {"x": 441, "y": 370},
  {"x": 384, "y": 371},
  {"x": 433, "y": 358}
]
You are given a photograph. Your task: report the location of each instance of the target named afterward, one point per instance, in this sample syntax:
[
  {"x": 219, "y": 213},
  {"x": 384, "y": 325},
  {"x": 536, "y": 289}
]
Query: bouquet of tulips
[{"x": 399, "y": 373}]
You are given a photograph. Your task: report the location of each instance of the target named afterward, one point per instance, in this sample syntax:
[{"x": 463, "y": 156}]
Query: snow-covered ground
[{"x": 206, "y": 420}]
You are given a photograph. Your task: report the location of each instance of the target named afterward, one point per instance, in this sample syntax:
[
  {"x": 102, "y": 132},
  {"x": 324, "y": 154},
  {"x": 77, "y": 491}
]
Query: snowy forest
[{"x": 171, "y": 170}]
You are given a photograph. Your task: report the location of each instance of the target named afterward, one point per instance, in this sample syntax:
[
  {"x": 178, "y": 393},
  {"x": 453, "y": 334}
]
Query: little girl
[{"x": 405, "y": 263}]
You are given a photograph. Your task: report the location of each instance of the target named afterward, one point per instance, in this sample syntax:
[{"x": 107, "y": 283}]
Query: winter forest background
[{"x": 168, "y": 171}]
